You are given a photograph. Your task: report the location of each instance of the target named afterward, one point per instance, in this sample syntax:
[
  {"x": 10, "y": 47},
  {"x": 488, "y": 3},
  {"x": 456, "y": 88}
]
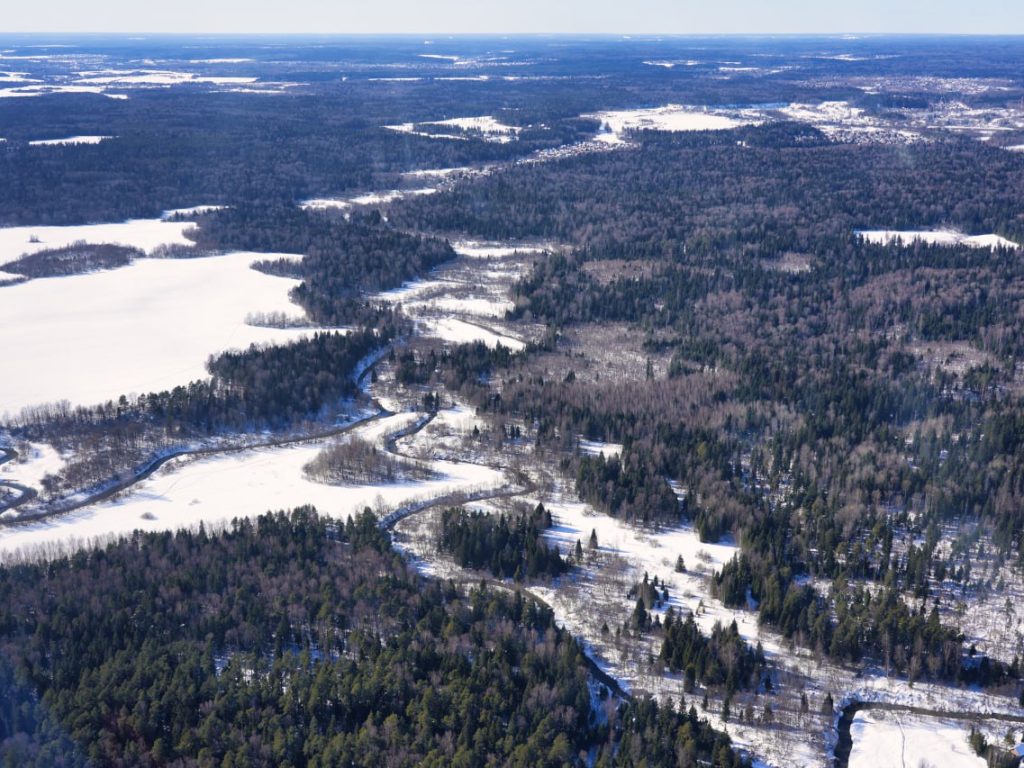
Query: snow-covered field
[
  {"x": 941, "y": 237},
  {"x": 898, "y": 739},
  {"x": 146, "y": 234},
  {"x": 474, "y": 249},
  {"x": 459, "y": 332},
  {"x": 145, "y": 327},
  {"x": 155, "y": 78},
  {"x": 672, "y": 117},
  {"x": 33, "y": 463},
  {"x": 596, "y": 447},
  {"x": 185, "y": 492},
  {"x": 485, "y": 126},
  {"x": 371, "y": 198},
  {"x": 69, "y": 140}
]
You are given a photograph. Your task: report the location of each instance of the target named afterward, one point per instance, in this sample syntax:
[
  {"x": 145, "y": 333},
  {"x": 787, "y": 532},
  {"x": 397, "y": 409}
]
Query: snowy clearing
[
  {"x": 145, "y": 327},
  {"x": 460, "y": 332},
  {"x": 672, "y": 117},
  {"x": 596, "y": 448},
  {"x": 896, "y": 739},
  {"x": 441, "y": 172},
  {"x": 371, "y": 198},
  {"x": 146, "y": 234},
  {"x": 33, "y": 463},
  {"x": 941, "y": 237},
  {"x": 473, "y": 249},
  {"x": 69, "y": 141},
  {"x": 159, "y": 78},
  {"x": 484, "y": 126},
  {"x": 43, "y": 90}
]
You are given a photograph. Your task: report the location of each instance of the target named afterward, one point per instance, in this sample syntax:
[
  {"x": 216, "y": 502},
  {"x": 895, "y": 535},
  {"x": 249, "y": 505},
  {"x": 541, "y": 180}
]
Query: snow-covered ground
[
  {"x": 370, "y": 198},
  {"x": 596, "y": 447},
  {"x": 33, "y": 463},
  {"x": 146, "y": 234},
  {"x": 26, "y": 91},
  {"x": 475, "y": 249},
  {"x": 438, "y": 172},
  {"x": 941, "y": 237},
  {"x": 249, "y": 483},
  {"x": 672, "y": 117},
  {"x": 898, "y": 739},
  {"x": 485, "y": 126},
  {"x": 69, "y": 140},
  {"x": 145, "y": 327},
  {"x": 459, "y": 332},
  {"x": 156, "y": 78}
]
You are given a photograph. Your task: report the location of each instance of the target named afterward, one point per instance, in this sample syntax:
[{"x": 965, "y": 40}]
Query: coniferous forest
[{"x": 753, "y": 302}]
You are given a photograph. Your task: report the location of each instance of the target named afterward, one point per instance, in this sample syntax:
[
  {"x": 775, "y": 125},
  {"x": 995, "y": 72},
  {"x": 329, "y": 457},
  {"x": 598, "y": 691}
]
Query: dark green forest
[
  {"x": 848, "y": 413},
  {"x": 296, "y": 640}
]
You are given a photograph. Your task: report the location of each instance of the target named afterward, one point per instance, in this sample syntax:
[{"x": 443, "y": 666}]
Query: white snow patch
[
  {"x": 672, "y": 117},
  {"x": 69, "y": 140},
  {"x": 460, "y": 332},
  {"x": 882, "y": 739},
  {"x": 486, "y": 126},
  {"x": 32, "y": 465},
  {"x": 324, "y": 203},
  {"x": 378, "y": 198},
  {"x": 145, "y": 327},
  {"x": 41, "y": 90},
  {"x": 474, "y": 249},
  {"x": 440, "y": 172},
  {"x": 596, "y": 447},
  {"x": 146, "y": 234},
  {"x": 941, "y": 237},
  {"x": 159, "y": 78}
]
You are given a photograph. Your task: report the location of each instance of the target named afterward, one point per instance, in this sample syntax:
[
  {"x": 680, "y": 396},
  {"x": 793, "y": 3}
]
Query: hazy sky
[{"x": 512, "y": 16}]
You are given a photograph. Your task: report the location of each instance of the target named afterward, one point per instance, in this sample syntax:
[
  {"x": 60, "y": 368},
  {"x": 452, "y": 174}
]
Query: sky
[{"x": 520, "y": 16}]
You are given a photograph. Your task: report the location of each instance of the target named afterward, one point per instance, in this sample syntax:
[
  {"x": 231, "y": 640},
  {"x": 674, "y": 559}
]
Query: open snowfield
[
  {"x": 69, "y": 140},
  {"x": 459, "y": 332},
  {"x": 474, "y": 249},
  {"x": 156, "y": 77},
  {"x": 438, "y": 172},
  {"x": 596, "y": 448},
  {"x": 26, "y": 91},
  {"x": 33, "y": 463},
  {"x": 485, "y": 126},
  {"x": 146, "y": 327},
  {"x": 248, "y": 483},
  {"x": 371, "y": 198},
  {"x": 672, "y": 117},
  {"x": 898, "y": 739},
  {"x": 942, "y": 237},
  {"x": 146, "y": 234}
]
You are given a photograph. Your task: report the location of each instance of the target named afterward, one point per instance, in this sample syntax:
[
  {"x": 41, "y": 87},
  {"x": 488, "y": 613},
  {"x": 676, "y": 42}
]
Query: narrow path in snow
[
  {"x": 845, "y": 744},
  {"x": 903, "y": 741}
]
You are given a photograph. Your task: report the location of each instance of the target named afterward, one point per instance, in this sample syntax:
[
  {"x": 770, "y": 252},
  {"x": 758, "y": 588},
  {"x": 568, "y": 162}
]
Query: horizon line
[{"x": 617, "y": 35}]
